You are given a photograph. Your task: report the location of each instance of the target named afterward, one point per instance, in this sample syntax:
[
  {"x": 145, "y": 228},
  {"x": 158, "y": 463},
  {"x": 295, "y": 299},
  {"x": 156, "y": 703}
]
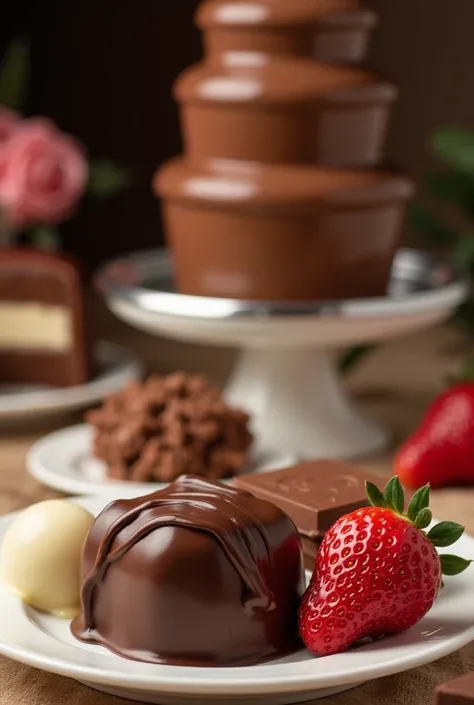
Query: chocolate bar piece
[
  {"x": 456, "y": 692},
  {"x": 314, "y": 494},
  {"x": 43, "y": 337},
  {"x": 310, "y": 551}
]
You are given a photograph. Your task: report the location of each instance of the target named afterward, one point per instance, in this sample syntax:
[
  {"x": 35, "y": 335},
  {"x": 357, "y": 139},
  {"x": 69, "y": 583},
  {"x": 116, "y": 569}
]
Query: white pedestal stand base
[{"x": 299, "y": 407}]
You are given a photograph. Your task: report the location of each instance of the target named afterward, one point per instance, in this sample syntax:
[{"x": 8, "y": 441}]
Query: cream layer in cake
[{"x": 25, "y": 326}]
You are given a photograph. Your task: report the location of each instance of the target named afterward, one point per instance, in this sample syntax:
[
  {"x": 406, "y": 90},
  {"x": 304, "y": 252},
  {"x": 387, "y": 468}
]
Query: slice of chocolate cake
[{"x": 43, "y": 338}]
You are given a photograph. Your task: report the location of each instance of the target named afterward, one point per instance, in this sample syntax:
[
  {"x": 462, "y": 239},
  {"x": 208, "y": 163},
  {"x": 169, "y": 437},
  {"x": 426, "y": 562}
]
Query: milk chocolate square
[
  {"x": 313, "y": 494},
  {"x": 310, "y": 551},
  {"x": 456, "y": 692}
]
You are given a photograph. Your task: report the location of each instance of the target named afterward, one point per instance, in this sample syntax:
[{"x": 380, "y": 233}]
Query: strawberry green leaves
[
  {"x": 419, "y": 501},
  {"x": 445, "y": 533},
  {"x": 393, "y": 495},
  {"x": 423, "y": 518},
  {"x": 453, "y": 565},
  {"x": 374, "y": 495}
]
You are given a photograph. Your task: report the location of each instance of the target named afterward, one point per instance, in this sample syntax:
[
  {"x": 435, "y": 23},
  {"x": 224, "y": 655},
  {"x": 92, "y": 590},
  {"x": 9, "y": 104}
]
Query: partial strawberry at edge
[
  {"x": 377, "y": 572},
  {"x": 441, "y": 451}
]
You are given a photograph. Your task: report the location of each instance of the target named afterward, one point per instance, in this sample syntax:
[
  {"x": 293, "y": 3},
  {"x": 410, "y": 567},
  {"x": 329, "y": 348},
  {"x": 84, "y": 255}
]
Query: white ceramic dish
[
  {"x": 115, "y": 365},
  {"x": 45, "y": 642},
  {"x": 63, "y": 461}
]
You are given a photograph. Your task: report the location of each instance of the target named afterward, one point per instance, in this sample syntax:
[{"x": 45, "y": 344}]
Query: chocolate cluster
[{"x": 167, "y": 427}]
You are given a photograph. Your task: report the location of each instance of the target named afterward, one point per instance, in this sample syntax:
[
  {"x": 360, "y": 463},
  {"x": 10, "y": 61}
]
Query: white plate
[
  {"x": 45, "y": 642},
  {"x": 63, "y": 460},
  {"x": 116, "y": 367}
]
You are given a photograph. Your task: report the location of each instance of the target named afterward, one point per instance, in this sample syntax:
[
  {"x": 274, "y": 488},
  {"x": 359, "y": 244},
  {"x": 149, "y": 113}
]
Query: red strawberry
[
  {"x": 377, "y": 572},
  {"x": 441, "y": 451}
]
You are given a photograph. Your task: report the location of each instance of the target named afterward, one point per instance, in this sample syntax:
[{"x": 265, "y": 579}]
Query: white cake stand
[{"x": 285, "y": 376}]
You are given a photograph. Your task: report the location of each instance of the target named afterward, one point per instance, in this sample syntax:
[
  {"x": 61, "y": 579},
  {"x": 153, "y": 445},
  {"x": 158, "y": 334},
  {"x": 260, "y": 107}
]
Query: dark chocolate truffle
[{"x": 197, "y": 574}]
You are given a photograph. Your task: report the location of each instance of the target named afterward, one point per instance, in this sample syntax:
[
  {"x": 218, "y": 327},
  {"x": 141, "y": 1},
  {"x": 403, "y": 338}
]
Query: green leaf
[
  {"x": 426, "y": 224},
  {"x": 466, "y": 373},
  {"x": 445, "y": 533},
  {"x": 463, "y": 254},
  {"x": 353, "y": 356},
  {"x": 424, "y": 518},
  {"x": 419, "y": 501},
  {"x": 374, "y": 495},
  {"x": 14, "y": 75},
  {"x": 45, "y": 238},
  {"x": 455, "y": 147},
  {"x": 106, "y": 179},
  {"x": 453, "y": 565},
  {"x": 454, "y": 188},
  {"x": 393, "y": 495}
]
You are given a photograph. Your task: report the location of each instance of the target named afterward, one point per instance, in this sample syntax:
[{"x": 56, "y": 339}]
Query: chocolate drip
[{"x": 200, "y": 506}]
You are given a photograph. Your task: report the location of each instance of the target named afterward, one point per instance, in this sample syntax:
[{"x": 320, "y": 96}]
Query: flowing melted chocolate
[{"x": 220, "y": 587}]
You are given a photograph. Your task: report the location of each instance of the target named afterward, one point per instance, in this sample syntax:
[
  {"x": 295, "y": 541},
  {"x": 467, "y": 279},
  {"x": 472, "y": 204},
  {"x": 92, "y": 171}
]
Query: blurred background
[{"x": 116, "y": 96}]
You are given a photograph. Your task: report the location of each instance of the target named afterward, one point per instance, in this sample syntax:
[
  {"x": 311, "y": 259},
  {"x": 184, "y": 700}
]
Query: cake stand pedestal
[
  {"x": 298, "y": 404},
  {"x": 285, "y": 376}
]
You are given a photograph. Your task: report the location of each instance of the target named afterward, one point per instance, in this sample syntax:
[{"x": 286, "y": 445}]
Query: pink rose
[
  {"x": 9, "y": 125},
  {"x": 43, "y": 174}
]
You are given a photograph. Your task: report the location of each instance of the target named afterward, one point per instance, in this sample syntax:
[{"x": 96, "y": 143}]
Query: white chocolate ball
[{"x": 40, "y": 559}]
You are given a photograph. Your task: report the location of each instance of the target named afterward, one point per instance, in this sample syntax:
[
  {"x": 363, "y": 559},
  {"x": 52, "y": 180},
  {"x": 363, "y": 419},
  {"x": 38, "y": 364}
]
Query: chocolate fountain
[
  {"x": 277, "y": 197},
  {"x": 284, "y": 231}
]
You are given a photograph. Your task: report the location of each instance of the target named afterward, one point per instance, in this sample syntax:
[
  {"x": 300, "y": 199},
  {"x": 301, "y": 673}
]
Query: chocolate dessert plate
[
  {"x": 45, "y": 642},
  {"x": 285, "y": 376},
  {"x": 63, "y": 461},
  {"x": 114, "y": 368}
]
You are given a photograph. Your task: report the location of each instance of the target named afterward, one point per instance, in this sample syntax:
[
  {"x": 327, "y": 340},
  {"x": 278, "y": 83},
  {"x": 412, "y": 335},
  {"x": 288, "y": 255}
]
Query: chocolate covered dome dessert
[
  {"x": 197, "y": 574},
  {"x": 279, "y": 195}
]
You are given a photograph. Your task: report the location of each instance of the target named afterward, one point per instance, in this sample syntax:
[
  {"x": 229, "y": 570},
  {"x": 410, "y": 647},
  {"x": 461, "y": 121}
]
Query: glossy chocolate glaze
[
  {"x": 328, "y": 30},
  {"x": 268, "y": 13},
  {"x": 29, "y": 276},
  {"x": 283, "y": 110},
  {"x": 285, "y": 230},
  {"x": 343, "y": 37},
  {"x": 215, "y": 575}
]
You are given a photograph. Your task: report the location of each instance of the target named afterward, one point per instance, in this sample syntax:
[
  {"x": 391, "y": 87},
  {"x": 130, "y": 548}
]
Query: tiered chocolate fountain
[
  {"x": 276, "y": 197},
  {"x": 282, "y": 229}
]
